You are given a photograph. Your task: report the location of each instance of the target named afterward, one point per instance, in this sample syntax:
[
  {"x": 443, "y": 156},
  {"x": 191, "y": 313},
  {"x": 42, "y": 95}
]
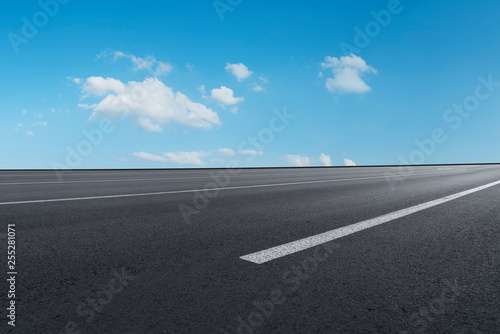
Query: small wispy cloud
[
  {"x": 148, "y": 63},
  {"x": 349, "y": 162},
  {"x": 226, "y": 151},
  {"x": 250, "y": 152},
  {"x": 184, "y": 158},
  {"x": 297, "y": 160}
]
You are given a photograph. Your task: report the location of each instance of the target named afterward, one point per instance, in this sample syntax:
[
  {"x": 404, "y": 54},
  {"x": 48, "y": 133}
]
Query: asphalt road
[{"x": 144, "y": 252}]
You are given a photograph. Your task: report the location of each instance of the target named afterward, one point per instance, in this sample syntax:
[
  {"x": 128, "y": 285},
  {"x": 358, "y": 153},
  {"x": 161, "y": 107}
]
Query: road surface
[{"x": 286, "y": 250}]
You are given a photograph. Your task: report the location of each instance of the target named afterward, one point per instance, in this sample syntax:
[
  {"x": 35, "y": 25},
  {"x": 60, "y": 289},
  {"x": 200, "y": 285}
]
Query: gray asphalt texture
[{"x": 169, "y": 263}]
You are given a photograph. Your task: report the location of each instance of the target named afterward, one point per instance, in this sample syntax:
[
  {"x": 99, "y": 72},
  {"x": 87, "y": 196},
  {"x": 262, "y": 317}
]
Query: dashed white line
[{"x": 318, "y": 239}]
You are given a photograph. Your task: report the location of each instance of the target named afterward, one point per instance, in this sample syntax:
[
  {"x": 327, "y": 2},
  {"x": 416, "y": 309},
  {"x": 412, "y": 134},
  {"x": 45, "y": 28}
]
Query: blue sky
[{"x": 185, "y": 84}]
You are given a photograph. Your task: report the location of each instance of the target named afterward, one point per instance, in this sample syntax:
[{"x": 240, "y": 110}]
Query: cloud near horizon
[
  {"x": 184, "y": 158},
  {"x": 297, "y": 160},
  {"x": 349, "y": 162}
]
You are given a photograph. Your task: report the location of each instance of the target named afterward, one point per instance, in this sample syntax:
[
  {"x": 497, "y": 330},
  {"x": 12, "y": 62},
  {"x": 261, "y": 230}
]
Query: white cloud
[
  {"x": 24, "y": 112},
  {"x": 257, "y": 88},
  {"x": 347, "y": 74},
  {"x": 39, "y": 123},
  {"x": 148, "y": 125},
  {"x": 149, "y": 63},
  {"x": 263, "y": 79},
  {"x": 189, "y": 66},
  {"x": 29, "y": 133},
  {"x": 297, "y": 160},
  {"x": 19, "y": 125},
  {"x": 320, "y": 74},
  {"x": 163, "y": 68},
  {"x": 226, "y": 96},
  {"x": 349, "y": 162},
  {"x": 240, "y": 71},
  {"x": 150, "y": 101},
  {"x": 100, "y": 86},
  {"x": 325, "y": 160},
  {"x": 250, "y": 152},
  {"x": 75, "y": 80},
  {"x": 226, "y": 151},
  {"x": 148, "y": 156},
  {"x": 184, "y": 158},
  {"x": 234, "y": 110}
]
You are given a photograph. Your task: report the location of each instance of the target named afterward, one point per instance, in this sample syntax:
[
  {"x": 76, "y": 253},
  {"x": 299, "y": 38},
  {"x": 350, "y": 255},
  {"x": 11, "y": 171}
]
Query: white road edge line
[
  {"x": 197, "y": 190},
  {"x": 193, "y": 190},
  {"x": 168, "y": 178},
  {"x": 318, "y": 239}
]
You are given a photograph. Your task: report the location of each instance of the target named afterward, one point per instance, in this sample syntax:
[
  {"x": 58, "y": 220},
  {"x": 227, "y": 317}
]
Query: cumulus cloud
[
  {"x": 225, "y": 96},
  {"x": 250, "y": 152},
  {"x": 40, "y": 123},
  {"x": 240, "y": 71},
  {"x": 325, "y": 160},
  {"x": 349, "y": 162},
  {"x": 184, "y": 158},
  {"x": 148, "y": 125},
  {"x": 297, "y": 160},
  {"x": 99, "y": 86},
  {"x": 150, "y": 101},
  {"x": 149, "y": 63},
  {"x": 19, "y": 125},
  {"x": 29, "y": 133},
  {"x": 24, "y": 112},
  {"x": 226, "y": 151},
  {"x": 347, "y": 74}
]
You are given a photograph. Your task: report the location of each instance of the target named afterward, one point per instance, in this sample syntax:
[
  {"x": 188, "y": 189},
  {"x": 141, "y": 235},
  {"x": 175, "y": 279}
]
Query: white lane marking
[
  {"x": 4, "y": 173},
  {"x": 97, "y": 180},
  {"x": 179, "y": 178},
  {"x": 197, "y": 190},
  {"x": 194, "y": 190},
  {"x": 318, "y": 239}
]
